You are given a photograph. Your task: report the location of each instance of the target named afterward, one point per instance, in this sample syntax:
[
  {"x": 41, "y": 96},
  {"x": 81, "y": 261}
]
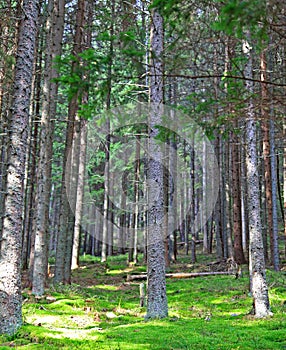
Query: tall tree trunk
[
  {"x": 55, "y": 25},
  {"x": 219, "y": 206},
  {"x": 204, "y": 202},
  {"x": 6, "y": 85},
  {"x": 172, "y": 217},
  {"x": 123, "y": 215},
  {"x": 80, "y": 192},
  {"x": 32, "y": 157},
  {"x": 266, "y": 151},
  {"x": 66, "y": 222},
  {"x": 244, "y": 207},
  {"x": 274, "y": 186},
  {"x": 166, "y": 184},
  {"x": 237, "y": 229},
  {"x": 284, "y": 181},
  {"x": 227, "y": 237},
  {"x": 81, "y": 155},
  {"x": 269, "y": 166},
  {"x": 259, "y": 289},
  {"x": 11, "y": 240},
  {"x": 157, "y": 306},
  {"x": 106, "y": 204},
  {"x": 105, "y": 201},
  {"x": 133, "y": 252}
]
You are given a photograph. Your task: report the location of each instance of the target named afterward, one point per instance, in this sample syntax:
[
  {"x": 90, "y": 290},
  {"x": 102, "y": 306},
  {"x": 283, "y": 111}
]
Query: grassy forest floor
[{"x": 100, "y": 310}]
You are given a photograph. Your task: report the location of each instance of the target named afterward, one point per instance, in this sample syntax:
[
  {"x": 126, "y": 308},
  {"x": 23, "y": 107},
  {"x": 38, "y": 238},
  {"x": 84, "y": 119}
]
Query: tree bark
[
  {"x": 55, "y": 25},
  {"x": 259, "y": 289},
  {"x": 106, "y": 205},
  {"x": 237, "y": 229},
  {"x": 11, "y": 240},
  {"x": 274, "y": 186},
  {"x": 266, "y": 151},
  {"x": 81, "y": 155},
  {"x": 80, "y": 193},
  {"x": 284, "y": 181},
  {"x": 66, "y": 222},
  {"x": 157, "y": 306}
]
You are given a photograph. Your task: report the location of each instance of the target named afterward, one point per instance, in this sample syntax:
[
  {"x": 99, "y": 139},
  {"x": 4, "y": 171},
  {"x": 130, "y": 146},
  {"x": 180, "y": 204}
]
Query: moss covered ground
[{"x": 100, "y": 310}]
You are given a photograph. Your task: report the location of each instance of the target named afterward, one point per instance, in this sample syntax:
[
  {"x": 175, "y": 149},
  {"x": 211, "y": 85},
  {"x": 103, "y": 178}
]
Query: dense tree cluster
[{"x": 72, "y": 72}]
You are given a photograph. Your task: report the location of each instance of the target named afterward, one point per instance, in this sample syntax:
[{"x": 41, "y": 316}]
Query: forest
[{"x": 142, "y": 174}]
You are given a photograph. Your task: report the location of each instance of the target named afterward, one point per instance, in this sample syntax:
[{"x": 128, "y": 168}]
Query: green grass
[{"x": 101, "y": 311}]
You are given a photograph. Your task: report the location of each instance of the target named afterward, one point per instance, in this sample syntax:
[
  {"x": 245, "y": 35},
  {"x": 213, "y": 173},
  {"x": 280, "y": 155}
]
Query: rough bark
[
  {"x": 8, "y": 33},
  {"x": 55, "y": 24},
  {"x": 259, "y": 289},
  {"x": 105, "y": 201},
  {"x": 80, "y": 192},
  {"x": 274, "y": 186},
  {"x": 227, "y": 237},
  {"x": 106, "y": 205},
  {"x": 81, "y": 155},
  {"x": 157, "y": 306},
  {"x": 219, "y": 207},
  {"x": 66, "y": 220},
  {"x": 237, "y": 229},
  {"x": 11, "y": 240},
  {"x": 266, "y": 150},
  {"x": 172, "y": 217},
  {"x": 244, "y": 207},
  {"x": 133, "y": 249},
  {"x": 284, "y": 181}
]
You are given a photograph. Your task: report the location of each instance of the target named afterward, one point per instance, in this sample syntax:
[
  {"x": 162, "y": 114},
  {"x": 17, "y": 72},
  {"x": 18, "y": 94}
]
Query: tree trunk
[
  {"x": 66, "y": 222},
  {"x": 123, "y": 215},
  {"x": 237, "y": 229},
  {"x": 172, "y": 217},
  {"x": 284, "y": 182},
  {"x": 204, "y": 203},
  {"x": 244, "y": 207},
  {"x": 274, "y": 186},
  {"x": 157, "y": 306},
  {"x": 133, "y": 253},
  {"x": 258, "y": 284},
  {"x": 55, "y": 24},
  {"x": 80, "y": 192},
  {"x": 31, "y": 163},
  {"x": 106, "y": 205},
  {"x": 227, "y": 237},
  {"x": 105, "y": 201},
  {"x": 81, "y": 154},
  {"x": 266, "y": 151},
  {"x": 11, "y": 240},
  {"x": 219, "y": 206}
]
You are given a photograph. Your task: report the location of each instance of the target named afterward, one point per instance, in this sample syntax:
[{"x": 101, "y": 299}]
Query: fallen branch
[
  {"x": 197, "y": 241},
  {"x": 180, "y": 275}
]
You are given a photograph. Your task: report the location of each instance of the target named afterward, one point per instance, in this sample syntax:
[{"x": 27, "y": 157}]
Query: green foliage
[
  {"x": 237, "y": 18},
  {"x": 75, "y": 75},
  {"x": 166, "y": 6}
]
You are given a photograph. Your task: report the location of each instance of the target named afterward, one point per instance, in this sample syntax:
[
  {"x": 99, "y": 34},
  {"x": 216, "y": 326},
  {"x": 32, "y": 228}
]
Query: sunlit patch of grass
[{"x": 106, "y": 287}]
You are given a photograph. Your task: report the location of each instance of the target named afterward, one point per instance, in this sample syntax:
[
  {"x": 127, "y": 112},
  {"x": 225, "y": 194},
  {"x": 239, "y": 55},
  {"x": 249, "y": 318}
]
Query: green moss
[{"x": 101, "y": 311}]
